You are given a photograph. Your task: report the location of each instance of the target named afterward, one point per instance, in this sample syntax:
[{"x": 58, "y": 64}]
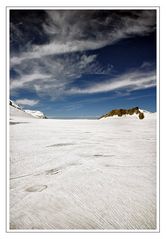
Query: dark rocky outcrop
[
  {"x": 141, "y": 115},
  {"x": 121, "y": 112}
]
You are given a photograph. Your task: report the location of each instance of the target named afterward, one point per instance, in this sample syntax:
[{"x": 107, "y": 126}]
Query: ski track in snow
[{"x": 82, "y": 174}]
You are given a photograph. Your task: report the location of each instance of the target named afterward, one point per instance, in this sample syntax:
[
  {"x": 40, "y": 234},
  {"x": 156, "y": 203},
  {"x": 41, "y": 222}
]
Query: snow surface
[
  {"x": 82, "y": 174},
  {"x": 36, "y": 113},
  {"x": 15, "y": 105},
  {"x": 16, "y": 112}
]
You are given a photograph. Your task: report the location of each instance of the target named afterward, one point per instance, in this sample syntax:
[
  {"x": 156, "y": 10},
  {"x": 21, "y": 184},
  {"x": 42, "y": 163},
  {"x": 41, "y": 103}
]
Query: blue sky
[{"x": 83, "y": 64}]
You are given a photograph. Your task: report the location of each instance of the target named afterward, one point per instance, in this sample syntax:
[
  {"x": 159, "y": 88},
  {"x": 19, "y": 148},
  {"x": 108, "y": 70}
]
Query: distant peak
[
  {"x": 34, "y": 113},
  {"x": 12, "y": 103},
  {"x": 126, "y": 112}
]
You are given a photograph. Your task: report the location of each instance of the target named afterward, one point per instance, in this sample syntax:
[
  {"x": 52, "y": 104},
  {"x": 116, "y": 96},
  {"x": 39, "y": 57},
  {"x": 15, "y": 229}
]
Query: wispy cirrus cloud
[
  {"x": 130, "y": 81},
  {"x": 52, "y": 76},
  {"x": 54, "y": 48},
  {"x": 26, "y": 80},
  {"x": 60, "y": 79},
  {"x": 51, "y": 54},
  {"x": 25, "y": 102},
  {"x": 77, "y": 31}
]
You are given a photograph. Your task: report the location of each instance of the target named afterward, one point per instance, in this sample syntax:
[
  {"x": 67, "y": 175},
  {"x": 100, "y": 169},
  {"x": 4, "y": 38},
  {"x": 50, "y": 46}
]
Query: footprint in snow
[
  {"x": 103, "y": 155},
  {"x": 36, "y": 188},
  {"x": 52, "y": 171}
]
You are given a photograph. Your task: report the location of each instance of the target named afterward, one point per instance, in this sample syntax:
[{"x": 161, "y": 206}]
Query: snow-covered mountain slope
[
  {"x": 12, "y": 103},
  {"x": 36, "y": 114},
  {"x": 16, "y": 110}
]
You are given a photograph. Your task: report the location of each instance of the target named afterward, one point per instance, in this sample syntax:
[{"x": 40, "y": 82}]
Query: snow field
[{"x": 82, "y": 174}]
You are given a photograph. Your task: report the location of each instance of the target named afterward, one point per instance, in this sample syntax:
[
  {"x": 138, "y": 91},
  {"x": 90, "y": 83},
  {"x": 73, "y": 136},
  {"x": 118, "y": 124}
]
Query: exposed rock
[
  {"x": 121, "y": 112},
  {"x": 141, "y": 115}
]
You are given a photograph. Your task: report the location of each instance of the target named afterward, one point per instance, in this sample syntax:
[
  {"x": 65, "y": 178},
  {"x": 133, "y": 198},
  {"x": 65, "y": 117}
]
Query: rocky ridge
[{"x": 125, "y": 112}]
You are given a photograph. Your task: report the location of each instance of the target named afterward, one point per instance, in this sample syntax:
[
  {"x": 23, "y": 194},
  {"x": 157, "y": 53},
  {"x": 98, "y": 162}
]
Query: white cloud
[
  {"x": 47, "y": 70},
  {"x": 56, "y": 48},
  {"x": 29, "y": 102},
  {"x": 26, "y": 80},
  {"x": 52, "y": 76},
  {"x": 75, "y": 31},
  {"x": 135, "y": 80}
]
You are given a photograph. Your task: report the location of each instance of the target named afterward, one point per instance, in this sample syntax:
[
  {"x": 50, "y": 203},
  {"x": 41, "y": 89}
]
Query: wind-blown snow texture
[{"x": 82, "y": 174}]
